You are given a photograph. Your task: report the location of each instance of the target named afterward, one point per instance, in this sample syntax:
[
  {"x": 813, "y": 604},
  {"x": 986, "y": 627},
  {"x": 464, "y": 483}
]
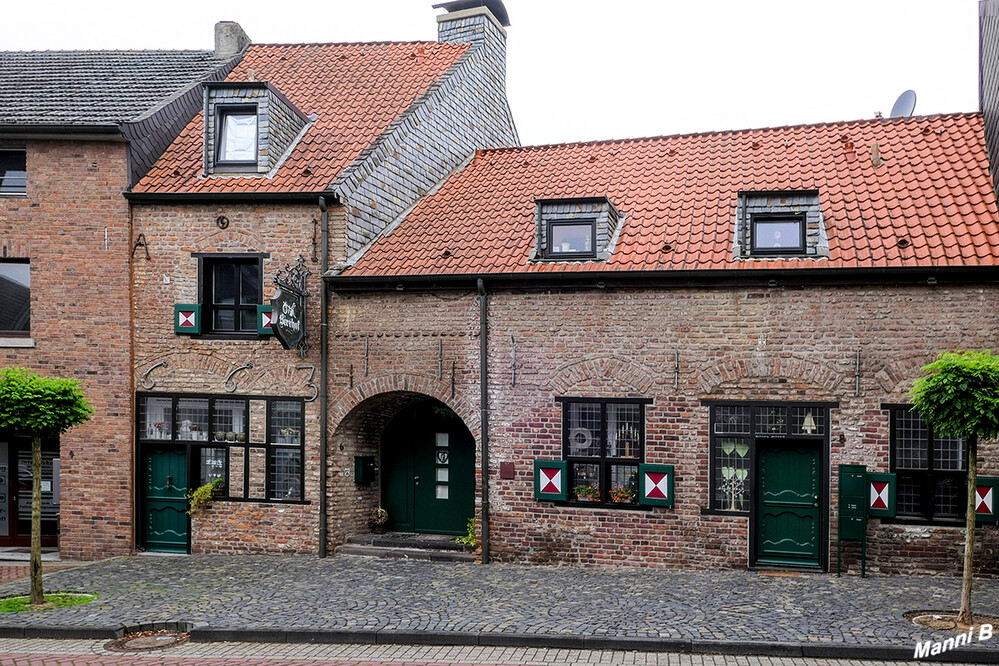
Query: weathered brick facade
[
  {"x": 73, "y": 226},
  {"x": 761, "y": 343}
]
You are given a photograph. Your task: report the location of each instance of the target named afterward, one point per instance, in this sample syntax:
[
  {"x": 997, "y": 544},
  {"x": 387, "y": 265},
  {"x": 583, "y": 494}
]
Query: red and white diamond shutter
[
  {"x": 655, "y": 485},
  {"x": 550, "y": 481},
  {"x": 881, "y": 495},
  {"x": 986, "y": 496},
  {"x": 265, "y": 320},
  {"x": 187, "y": 318}
]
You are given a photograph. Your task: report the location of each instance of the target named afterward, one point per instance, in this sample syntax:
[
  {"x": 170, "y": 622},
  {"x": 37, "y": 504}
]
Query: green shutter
[
  {"x": 550, "y": 480},
  {"x": 187, "y": 318},
  {"x": 986, "y": 500},
  {"x": 881, "y": 495},
  {"x": 262, "y": 312},
  {"x": 655, "y": 485}
]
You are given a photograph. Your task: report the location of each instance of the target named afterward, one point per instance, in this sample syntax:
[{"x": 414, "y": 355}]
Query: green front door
[
  {"x": 165, "y": 501},
  {"x": 428, "y": 471},
  {"x": 788, "y": 503}
]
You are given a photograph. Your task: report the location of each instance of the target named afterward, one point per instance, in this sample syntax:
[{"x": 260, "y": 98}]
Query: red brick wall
[
  {"x": 201, "y": 365},
  {"x": 754, "y": 344},
  {"x": 74, "y": 227}
]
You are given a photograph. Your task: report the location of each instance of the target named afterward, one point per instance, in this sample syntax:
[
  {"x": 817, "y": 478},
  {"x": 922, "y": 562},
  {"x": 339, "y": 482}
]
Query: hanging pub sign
[{"x": 288, "y": 307}]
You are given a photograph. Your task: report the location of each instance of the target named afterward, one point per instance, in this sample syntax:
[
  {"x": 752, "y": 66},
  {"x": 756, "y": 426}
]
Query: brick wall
[
  {"x": 74, "y": 228},
  {"x": 201, "y": 364},
  {"x": 779, "y": 344}
]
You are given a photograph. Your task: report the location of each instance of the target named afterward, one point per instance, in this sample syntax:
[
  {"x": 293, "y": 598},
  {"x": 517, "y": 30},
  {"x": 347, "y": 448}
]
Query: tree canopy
[
  {"x": 42, "y": 406},
  {"x": 959, "y": 394}
]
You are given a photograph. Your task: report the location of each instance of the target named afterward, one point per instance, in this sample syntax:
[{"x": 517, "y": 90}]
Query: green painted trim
[
  {"x": 892, "y": 488},
  {"x": 643, "y": 487},
  {"x": 563, "y": 468},
  {"x": 187, "y": 307},
  {"x": 993, "y": 483},
  {"x": 261, "y": 329}
]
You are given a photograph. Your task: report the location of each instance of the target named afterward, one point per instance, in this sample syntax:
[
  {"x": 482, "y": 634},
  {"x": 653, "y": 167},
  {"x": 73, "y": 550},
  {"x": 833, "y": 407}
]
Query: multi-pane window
[
  {"x": 15, "y": 298},
  {"x": 254, "y": 445},
  {"x": 232, "y": 292},
  {"x": 603, "y": 443},
  {"x": 13, "y": 172},
  {"x": 735, "y": 429},
  {"x": 931, "y": 470},
  {"x": 237, "y": 136}
]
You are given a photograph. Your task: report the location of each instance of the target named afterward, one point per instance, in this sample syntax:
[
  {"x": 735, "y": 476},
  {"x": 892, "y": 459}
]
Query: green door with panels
[
  {"x": 788, "y": 503},
  {"x": 165, "y": 501},
  {"x": 428, "y": 471}
]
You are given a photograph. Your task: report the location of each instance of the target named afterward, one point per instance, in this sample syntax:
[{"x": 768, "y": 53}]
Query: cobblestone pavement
[
  {"x": 77, "y": 653},
  {"x": 15, "y": 571},
  {"x": 293, "y": 598}
]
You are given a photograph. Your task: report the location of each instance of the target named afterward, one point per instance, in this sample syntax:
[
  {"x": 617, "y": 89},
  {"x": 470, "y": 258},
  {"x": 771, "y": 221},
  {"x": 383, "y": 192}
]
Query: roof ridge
[
  {"x": 102, "y": 51},
  {"x": 686, "y": 135},
  {"x": 372, "y": 43}
]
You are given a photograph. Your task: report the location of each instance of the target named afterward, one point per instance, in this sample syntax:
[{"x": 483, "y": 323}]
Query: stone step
[
  {"x": 406, "y": 540},
  {"x": 405, "y": 553}
]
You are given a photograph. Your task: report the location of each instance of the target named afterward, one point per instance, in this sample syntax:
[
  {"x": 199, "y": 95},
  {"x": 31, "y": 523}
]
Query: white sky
[{"x": 585, "y": 70}]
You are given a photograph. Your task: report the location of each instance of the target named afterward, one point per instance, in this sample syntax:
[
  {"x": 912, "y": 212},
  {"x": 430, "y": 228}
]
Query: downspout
[
  {"x": 323, "y": 375},
  {"x": 484, "y": 409}
]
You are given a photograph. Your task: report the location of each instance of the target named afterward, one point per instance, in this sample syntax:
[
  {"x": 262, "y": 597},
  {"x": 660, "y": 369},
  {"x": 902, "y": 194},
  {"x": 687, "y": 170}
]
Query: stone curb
[{"x": 203, "y": 634}]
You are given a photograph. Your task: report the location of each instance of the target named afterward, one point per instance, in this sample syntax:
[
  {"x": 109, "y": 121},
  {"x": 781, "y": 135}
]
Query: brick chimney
[
  {"x": 988, "y": 79},
  {"x": 230, "y": 40}
]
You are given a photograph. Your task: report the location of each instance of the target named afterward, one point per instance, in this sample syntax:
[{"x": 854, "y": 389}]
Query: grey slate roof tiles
[{"x": 95, "y": 87}]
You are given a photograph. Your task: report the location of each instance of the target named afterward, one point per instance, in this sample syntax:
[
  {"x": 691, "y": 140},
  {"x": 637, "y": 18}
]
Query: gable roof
[
  {"x": 95, "y": 88},
  {"x": 679, "y": 194},
  {"x": 355, "y": 91}
]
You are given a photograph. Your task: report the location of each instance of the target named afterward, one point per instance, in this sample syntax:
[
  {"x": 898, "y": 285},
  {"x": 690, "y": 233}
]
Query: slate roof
[
  {"x": 93, "y": 88},
  {"x": 679, "y": 196},
  {"x": 355, "y": 90}
]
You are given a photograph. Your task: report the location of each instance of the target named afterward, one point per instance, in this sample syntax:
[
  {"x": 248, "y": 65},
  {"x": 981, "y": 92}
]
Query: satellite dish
[{"x": 904, "y": 105}]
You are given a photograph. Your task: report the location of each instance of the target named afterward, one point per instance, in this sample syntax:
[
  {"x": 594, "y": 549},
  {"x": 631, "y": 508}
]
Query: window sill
[
  {"x": 17, "y": 342},
  {"x": 730, "y": 514},
  {"x": 14, "y": 195}
]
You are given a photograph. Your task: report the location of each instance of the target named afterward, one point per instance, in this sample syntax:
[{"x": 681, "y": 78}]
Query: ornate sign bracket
[{"x": 289, "y": 306}]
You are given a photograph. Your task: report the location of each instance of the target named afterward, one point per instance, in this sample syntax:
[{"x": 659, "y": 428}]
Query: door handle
[
  {"x": 417, "y": 480},
  {"x": 815, "y": 498},
  {"x": 169, "y": 480}
]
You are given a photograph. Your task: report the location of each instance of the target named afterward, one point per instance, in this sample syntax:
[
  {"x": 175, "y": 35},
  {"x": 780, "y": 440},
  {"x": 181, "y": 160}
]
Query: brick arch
[
  {"x": 635, "y": 375},
  {"x": 898, "y": 376},
  {"x": 347, "y": 401},
  {"x": 209, "y": 363},
  {"x": 227, "y": 239},
  {"x": 734, "y": 368},
  {"x": 213, "y": 369}
]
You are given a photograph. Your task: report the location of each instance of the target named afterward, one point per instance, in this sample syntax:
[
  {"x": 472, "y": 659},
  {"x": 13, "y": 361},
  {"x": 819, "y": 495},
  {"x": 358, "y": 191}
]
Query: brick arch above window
[
  {"x": 210, "y": 370},
  {"x": 898, "y": 376},
  {"x": 570, "y": 377},
  {"x": 826, "y": 377},
  {"x": 228, "y": 240}
]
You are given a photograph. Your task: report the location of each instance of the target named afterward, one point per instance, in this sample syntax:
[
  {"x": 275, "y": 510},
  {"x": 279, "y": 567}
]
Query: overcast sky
[{"x": 588, "y": 70}]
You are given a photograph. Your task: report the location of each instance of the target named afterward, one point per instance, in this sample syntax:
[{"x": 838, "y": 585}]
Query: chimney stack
[{"x": 230, "y": 40}]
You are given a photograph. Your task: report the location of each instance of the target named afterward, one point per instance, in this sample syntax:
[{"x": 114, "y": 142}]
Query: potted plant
[
  {"x": 379, "y": 517},
  {"x": 201, "y": 498},
  {"x": 585, "y": 493},
  {"x": 625, "y": 494}
]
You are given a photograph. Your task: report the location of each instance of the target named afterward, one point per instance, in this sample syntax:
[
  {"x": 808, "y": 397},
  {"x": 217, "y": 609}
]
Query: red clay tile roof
[
  {"x": 357, "y": 91},
  {"x": 934, "y": 189}
]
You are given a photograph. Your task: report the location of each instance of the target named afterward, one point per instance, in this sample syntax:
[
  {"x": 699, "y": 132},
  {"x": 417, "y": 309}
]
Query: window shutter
[
  {"x": 881, "y": 495},
  {"x": 550, "y": 480},
  {"x": 264, "y": 320},
  {"x": 655, "y": 485},
  {"x": 985, "y": 499},
  {"x": 187, "y": 318}
]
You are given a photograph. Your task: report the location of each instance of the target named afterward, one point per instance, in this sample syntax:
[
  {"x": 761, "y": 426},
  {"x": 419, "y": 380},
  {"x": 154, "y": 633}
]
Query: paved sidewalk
[{"x": 359, "y": 600}]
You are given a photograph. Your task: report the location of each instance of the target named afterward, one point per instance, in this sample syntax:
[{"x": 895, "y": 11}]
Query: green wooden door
[
  {"x": 428, "y": 471},
  {"x": 788, "y": 499},
  {"x": 165, "y": 501}
]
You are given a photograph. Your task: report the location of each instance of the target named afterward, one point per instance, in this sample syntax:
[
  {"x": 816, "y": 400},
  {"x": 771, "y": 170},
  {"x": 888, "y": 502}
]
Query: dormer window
[
  {"x": 779, "y": 225},
  {"x": 778, "y": 234},
  {"x": 576, "y": 229},
  {"x": 572, "y": 240},
  {"x": 237, "y": 141}
]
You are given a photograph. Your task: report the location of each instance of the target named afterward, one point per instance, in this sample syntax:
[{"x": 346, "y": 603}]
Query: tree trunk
[
  {"x": 965, "y": 616},
  {"x": 36, "y": 521}
]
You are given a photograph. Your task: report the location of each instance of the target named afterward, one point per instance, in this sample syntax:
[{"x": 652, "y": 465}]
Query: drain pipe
[
  {"x": 484, "y": 409},
  {"x": 323, "y": 375}
]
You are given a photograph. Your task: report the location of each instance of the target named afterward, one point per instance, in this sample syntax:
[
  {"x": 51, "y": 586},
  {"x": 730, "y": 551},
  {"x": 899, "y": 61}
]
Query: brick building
[
  {"x": 301, "y": 157},
  {"x": 76, "y": 129}
]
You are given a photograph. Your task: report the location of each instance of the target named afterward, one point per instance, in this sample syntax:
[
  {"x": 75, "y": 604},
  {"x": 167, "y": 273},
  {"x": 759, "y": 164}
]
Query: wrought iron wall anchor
[
  {"x": 228, "y": 380},
  {"x": 145, "y": 376},
  {"x": 308, "y": 382}
]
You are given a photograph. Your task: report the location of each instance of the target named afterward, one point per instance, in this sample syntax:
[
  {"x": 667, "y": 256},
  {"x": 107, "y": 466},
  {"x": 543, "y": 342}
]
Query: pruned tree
[
  {"x": 959, "y": 396},
  {"x": 39, "y": 407}
]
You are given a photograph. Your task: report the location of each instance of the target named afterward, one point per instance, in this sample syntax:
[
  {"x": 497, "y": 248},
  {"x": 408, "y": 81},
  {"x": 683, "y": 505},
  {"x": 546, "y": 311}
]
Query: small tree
[
  {"x": 959, "y": 396},
  {"x": 39, "y": 407}
]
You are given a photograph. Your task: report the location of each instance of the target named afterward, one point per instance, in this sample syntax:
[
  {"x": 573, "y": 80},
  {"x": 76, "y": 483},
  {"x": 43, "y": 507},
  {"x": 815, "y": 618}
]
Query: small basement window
[
  {"x": 237, "y": 139},
  {"x": 572, "y": 239},
  {"x": 783, "y": 234}
]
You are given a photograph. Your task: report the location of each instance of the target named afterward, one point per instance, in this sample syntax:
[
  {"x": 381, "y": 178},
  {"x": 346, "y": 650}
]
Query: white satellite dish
[{"x": 904, "y": 105}]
